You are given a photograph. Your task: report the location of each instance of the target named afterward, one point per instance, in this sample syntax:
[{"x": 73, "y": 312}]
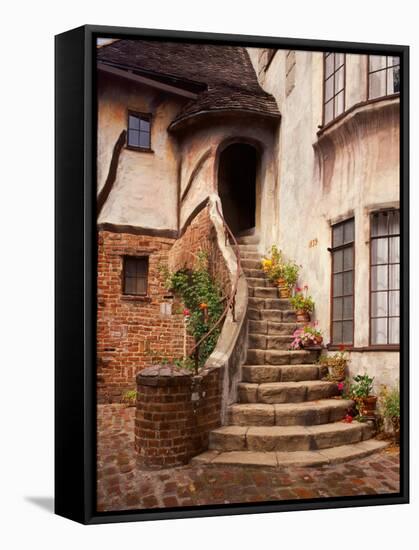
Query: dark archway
[{"x": 237, "y": 170}]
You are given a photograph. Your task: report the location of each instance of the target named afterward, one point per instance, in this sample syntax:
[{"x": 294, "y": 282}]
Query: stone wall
[
  {"x": 131, "y": 331},
  {"x": 174, "y": 415}
]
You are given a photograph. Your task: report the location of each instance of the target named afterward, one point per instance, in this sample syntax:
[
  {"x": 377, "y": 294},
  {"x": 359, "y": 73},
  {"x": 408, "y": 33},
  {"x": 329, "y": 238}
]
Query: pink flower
[
  {"x": 186, "y": 312},
  {"x": 298, "y": 289},
  {"x": 340, "y": 386},
  {"x": 305, "y": 286}
]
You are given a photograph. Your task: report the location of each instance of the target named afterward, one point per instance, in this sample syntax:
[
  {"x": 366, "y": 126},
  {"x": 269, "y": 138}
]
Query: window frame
[
  {"x": 144, "y": 116},
  {"x": 343, "y": 90},
  {"x": 387, "y": 346},
  {"x": 123, "y": 275},
  {"x": 333, "y": 249},
  {"x": 384, "y": 69}
]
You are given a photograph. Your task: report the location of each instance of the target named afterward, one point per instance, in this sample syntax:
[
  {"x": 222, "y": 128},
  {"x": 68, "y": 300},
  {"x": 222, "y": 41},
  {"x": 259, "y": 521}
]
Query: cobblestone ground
[{"x": 121, "y": 486}]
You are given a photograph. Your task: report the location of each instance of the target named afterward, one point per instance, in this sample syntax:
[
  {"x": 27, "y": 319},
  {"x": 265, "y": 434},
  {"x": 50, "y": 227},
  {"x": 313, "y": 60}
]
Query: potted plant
[
  {"x": 307, "y": 337},
  {"x": 282, "y": 274},
  {"x": 360, "y": 392},
  {"x": 390, "y": 406},
  {"x": 302, "y": 304},
  {"x": 336, "y": 364}
]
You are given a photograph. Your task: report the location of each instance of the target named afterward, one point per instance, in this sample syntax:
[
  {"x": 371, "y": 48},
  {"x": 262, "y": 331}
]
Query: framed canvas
[{"x": 231, "y": 274}]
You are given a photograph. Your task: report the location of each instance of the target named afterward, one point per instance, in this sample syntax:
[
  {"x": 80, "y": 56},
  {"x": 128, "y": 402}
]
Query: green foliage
[
  {"x": 302, "y": 302},
  {"x": 130, "y": 397},
  {"x": 390, "y": 402},
  {"x": 362, "y": 386},
  {"x": 276, "y": 267},
  {"x": 202, "y": 297},
  {"x": 290, "y": 273}
]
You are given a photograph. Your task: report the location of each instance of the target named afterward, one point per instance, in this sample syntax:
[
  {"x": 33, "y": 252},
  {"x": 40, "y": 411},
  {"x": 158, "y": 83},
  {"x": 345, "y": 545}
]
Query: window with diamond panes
[
  {"x": 385, "y": 278},
  {"x": 343, "y": 251}
]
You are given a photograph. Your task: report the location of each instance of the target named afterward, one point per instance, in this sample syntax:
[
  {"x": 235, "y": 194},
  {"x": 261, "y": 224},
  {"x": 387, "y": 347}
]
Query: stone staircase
[{"x": 286, "y": 414}]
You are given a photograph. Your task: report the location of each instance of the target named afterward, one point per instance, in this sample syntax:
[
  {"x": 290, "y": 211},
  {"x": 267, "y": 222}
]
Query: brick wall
[
  {"x": 129, "y": 328},
  {"x": 131, "y": 332},
  {"x": 200, "y": 235},
  {"x": 174, "y": 415}
]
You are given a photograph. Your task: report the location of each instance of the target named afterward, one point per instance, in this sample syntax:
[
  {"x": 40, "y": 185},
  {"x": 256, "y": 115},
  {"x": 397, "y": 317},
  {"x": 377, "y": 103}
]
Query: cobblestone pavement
[{"x": 121, "y": 486}]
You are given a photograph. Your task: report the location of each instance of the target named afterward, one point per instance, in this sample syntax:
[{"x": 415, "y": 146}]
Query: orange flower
[{"x": 203, "y": 305}]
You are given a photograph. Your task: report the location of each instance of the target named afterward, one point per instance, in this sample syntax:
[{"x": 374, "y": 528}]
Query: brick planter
[{"x": 175, "y": 413}]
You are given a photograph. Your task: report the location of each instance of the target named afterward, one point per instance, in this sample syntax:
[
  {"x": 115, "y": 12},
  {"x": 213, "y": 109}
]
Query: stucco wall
[
  {"x": 351, "y": 170},
  {"x": 146, "y": 186}
]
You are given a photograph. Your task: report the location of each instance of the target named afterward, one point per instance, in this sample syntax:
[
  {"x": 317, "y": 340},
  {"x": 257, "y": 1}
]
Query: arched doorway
[{"x": 237, "y": 169}]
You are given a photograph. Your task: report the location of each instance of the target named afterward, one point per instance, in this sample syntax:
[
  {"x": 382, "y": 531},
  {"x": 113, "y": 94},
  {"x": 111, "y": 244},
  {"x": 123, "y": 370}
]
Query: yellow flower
[{"x": 266, "y": 264}]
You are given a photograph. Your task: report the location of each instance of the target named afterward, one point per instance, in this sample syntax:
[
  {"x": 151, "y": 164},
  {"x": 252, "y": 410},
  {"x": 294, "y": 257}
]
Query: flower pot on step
[
  {"x": 283, "y": 289},
  {"x": 302, "y": 316},
  {"x": 337, "y": 372},
  {"x": 367, "y": 405}
]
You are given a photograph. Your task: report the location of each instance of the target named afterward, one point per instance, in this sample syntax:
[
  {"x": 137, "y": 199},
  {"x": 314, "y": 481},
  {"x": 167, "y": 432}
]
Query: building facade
[{"x": 302, "y": 151}]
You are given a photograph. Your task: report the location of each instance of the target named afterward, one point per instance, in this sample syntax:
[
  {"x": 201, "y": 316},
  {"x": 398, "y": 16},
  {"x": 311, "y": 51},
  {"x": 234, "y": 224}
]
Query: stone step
[
  {"x": 284, "y": 316},
  {"x": 248, "y": 240},
  {"x": 289, "y": 438},
  {"x": 260, "y": 374},
  {"x": 286, "y": 392},
  {"x": 272, "y": 328},
  {"x": 253, "y": 272},
  {"x": 271, "y": 302},
  {"x": 280, "y": 357},
  {"x": 251, "y": 264},
  {"x": 308, "y": 413},
  {"x": 257, "y": 282},
  {"x": 334, "y": 455},
  {"x": 249, "y": 255},
  {"x": 267, "y": 292},
  {"x": 261, "y": 341}
]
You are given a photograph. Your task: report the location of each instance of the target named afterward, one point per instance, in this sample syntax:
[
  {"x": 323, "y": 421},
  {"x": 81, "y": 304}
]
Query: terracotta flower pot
[
  {"x": 367, "y": 405},
  {"x": 283, "y": 288},
  {"x": 302, "y": 316},
  {"x": 337, "y": 373}
]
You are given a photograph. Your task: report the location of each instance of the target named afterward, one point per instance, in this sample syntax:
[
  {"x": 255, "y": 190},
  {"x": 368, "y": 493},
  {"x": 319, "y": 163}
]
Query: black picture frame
[{"x": 75, "y": 282}]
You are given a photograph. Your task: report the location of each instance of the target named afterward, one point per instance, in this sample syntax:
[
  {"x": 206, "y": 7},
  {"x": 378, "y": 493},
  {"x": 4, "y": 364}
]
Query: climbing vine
[{"x": 202, "y": 298}]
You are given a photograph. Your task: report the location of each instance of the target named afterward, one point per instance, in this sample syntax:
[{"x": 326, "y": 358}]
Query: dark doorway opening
[{"x": 237, "y": 187}]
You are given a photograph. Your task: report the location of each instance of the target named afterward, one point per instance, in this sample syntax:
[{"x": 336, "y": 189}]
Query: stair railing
[{"x": 231, "y": 302}]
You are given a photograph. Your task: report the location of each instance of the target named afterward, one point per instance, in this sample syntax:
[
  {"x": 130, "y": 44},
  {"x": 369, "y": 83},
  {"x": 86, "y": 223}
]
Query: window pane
[
  {"x": 394, "y": 302},
  {"x": 379, "y": 224},
  {"x": 394, "y": 274},
  {"x": 394, "y": 250},
  {"x": 328, "y": 89},
  {"x": 144, "y": 139},
  {"x": 394, "y": 332},
  {"x": 393, "y": 80},
  {"x": 338, "y": 261},
  {"x": 133, "y": 122},
  {"x": 395, "y": 60},
  {"x": 339, "y": 60},
  {"x": 348, "y": 308},
  {"x": 337, "y": 333},
  {"x": 348, "y": 282},
  {"x": 377, "y": 62},
  {"x": 130, "y": 286},
  {"x": 377, "y": 84},
  {"x": 329, "y": 65},
  {"x": 379, "y": 331},
  {"x": 379, "y": 277},
  {"x": 379, "y": 251},
  {"x": 339, "y": 104},
  {"x": 133, "y": 138},
  {"x": 338, "y": 284},
  {"x": 348, "y": 258},
  {"x": 347, "y": 332},
  {"x": 141, "y": 286},
  {"x": 379, "y": 304},
  {"x": 337, "y": 235},
  {"x": 328, "y": 112},
  {"x": 339, "y": 80},
  {"x": 337, "y": 309},
  {"x": 144, "y": 125},
  {"x": 130, "y": 267},
  {"x": 348, "y": 231},
  {"x": 394, "y": 222}
]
